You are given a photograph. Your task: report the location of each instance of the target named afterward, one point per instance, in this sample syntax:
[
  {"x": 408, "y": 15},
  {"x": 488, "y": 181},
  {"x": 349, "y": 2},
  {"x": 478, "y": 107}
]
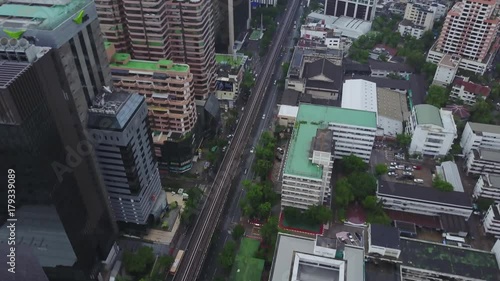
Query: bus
[
  {"x": 455, "y": 238},
  {"x": 177, "y": 261}
]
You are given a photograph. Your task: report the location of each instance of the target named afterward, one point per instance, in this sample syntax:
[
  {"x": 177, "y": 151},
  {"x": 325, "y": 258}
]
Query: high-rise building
[
  {"x": 469, "y": 30},
  {"x": 118, "y": 121},
  {"x": 364, "y": 10},
  {"x": 417, "y": 19},
  {"x": 182, "y": 31},
  {"x": 168, "y": 88},
  {"x": 61, "y": 209}
]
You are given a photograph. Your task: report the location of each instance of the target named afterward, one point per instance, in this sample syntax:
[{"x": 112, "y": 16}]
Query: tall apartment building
[
  {"x": 181, "y": 31},
  {"x": 168, "y": 88},
  {"x": 479, "y": 136},
  {"x": 488, "y": 186},
  {"x": 364, "y": 10},
  {"x": 309, "y": 160},
  {"x": 491, "y": 221},
  {"x": 469, "y": 30},
  {"x": 432, "y": 130},
  {"x": 417, "y": 19},
  {"x": 62, "y": 211},
  {"x": 118, "y": 121}
]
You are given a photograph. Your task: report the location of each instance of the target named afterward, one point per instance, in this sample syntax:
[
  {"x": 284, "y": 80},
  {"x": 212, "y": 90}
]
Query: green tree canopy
[
  {"x": 139, "y": 263},
  {"x": 380, "y": 169},
  {"x": 363, "y": 184},
  {"x": 352, "y": 164},
  {"x": 484, "y": 203},
  {"x": 226, "y": 257},
  {"x": 343, "y": 193},
  {"x": 437, "y": 96},
  {"x": 238, "y": 232},
  {"x": 269, "y": 231},
  {"x": 482, "y": 112},
  {"x": 318, "y": 214},
  {"x": 370, "y": 203},
  {"x": 442, "y": 184},
  {"x": 254, "y": 204},
  {"x": 404, "y": 140}
]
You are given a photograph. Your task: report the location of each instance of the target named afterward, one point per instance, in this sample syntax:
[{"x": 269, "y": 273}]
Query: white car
[
  {"x": 394, "y": 164},
  {"x": 263, "y": 116},
  {"x": 391, "y": 174},
  {"x": 418, "y": 181},
  {"x": 252, "y": 150}
]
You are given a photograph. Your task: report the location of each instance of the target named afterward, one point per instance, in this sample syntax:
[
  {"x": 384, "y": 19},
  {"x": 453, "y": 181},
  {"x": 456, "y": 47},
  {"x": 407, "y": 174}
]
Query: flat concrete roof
[
  {"x": 484, "y": 128},
  {"x": 286, "y": 246},
  {"x": 449, "y": 171},
  {"x": 122, "y": 60},
  {"x": 359, "y": 94},
  {"x": 288, "y": 111},
  {"x": 392, "y": 104}
]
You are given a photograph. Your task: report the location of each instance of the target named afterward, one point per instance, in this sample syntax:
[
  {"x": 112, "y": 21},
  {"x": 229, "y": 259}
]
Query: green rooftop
[
  {"x": 310, "y": 118},
  {"x": 146, "y": 65},
  {"x": 428, "y": 114},
  {"x": 229, "y": 59},
  {"x": 49, "y": 16}
]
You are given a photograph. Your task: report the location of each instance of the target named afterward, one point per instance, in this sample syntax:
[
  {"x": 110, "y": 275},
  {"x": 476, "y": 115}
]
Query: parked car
[
  {"x": 417, "y": 167},
  {"x": 418, "y": 180},
  {"x": 391, "y": 174},
  {"x": 407, "y": 173},
  {"x": 400, "y": 167},
  {"x": 409, "y": 169},
  {"x": 252, "y": 149},
  {"x": 394, "y": 164}
]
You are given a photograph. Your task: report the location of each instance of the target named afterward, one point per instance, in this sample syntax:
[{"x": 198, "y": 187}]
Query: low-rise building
[
  {"x": 323, "y": 79},
  {"x": 398, "y": 85},
  {"x": 439, "y": 10},
  {"x": 417, "y": 19},
  {"x": 446, "y": 70},
  {"x": 287, "y": 115},
  {"x": 383, "y": 69},
  {"x": 408, "y": 28},
  {"x": 448, "y": 171},
  {"x": 383, "y": 241},
  {"x": 349, "y": 27},
  {"x": 478, "y": 135},
  {"x": 468, "y": 91},
  {"x": 392, "y": 112},
  {"x": 433, "y": 130},
  {"x": 491, "y": 221},
  {"x": 488, "y": 186},
  {"x": 483, "y": 161},
  {"x": 229, "y": 76},
  {"x": 418, "y": 199},
  {"x": 320, "y": 259},
  {"x": 320, "y": 135}
]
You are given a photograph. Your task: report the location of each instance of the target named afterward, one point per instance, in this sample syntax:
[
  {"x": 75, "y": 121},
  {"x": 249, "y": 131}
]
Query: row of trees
[
  {"x": 314, "y": 215},
  {"x": 189, "y": 212},
  {"x": 258, "y": 200},
  {"x": 139, "y": 265},
  {"x": 265, "y": 155}
]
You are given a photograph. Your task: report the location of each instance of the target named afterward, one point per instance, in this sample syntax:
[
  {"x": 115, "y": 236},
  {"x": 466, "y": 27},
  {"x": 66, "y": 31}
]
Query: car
[
  {"x": 417, "y": 167},
  {"x": 409, "y": 169},
  {"x": 224, "y": 149},
  {"x": 391, "y": 174},
  {"x": 349, "y": 235},
  {"x": 418, "y": 180},
  {"x": 246, "y": 171},
  {"x": 352, "y": 240},
  {"x": 230, "y": 136},
  {"x": 407, "y": 173},
  {"x": 394, "y": 164},
  {"x": 252, "y": 149},
  {"x": 392, "y": 168},
  {"x": 400, "y": 167},
  {"x": 263, "y": 116},
  {"x": 275, "y": 81}
]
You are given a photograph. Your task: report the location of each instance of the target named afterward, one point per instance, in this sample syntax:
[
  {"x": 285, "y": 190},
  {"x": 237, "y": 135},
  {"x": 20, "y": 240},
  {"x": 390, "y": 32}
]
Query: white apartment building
[
  {"x": 322, "y": 134},
  {"x": 433, "y": 130},
  {"x": 417, "y": 19},
  {"x": 488, "y": 186},
  {"x": 425, "y": 200},
  {"x": 439, "y": 10},
  {"x": 325, "y": 34},
  {"x": 491, "y": 221},
  {"x": 483, "y": 161},
  {"x": 478, "y": 136},
  {"x": 287, "y": 115},
  {"x": 390, "y": 107},
  {"x": 468, "y": 91},
  {"x": 469, "y": 31},
  {"x": 446, "y": 70}
]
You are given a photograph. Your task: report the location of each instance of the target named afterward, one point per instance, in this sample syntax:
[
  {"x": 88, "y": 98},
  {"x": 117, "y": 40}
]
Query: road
[{"x": 205, "y": 225}]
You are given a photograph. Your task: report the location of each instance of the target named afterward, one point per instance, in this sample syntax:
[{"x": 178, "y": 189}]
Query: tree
[
  {"x": 254, "y": 204},
  {"x": 343, "y": 193},
  {"x": 226, "y": 257},
  {"x": 262, "y": 168},
  {"x": 370, "y": 203},
  {"x": 285, "y": 67},
  {"x": 380, "y": 169},
  {"x": 139, "y": 263},
  {"x": 363, "y": 184},
  {"x": 404, "y": 140},
  {"x": 264, "y": 209},
  {"x": 416, "y": 59},
  {"x": 436, "y": 96},
  {"x": 429, "y": 69},
  {"x": 442, "y": 184},
  {"x": 482, "y": 112},
  {"x": 318, "y": 214},
  {"x": 352, "y": 164},
  {"x": 269, "y": 231},
  {"x": 484, "y": 203},
  {"x": 238, "y": 232}
]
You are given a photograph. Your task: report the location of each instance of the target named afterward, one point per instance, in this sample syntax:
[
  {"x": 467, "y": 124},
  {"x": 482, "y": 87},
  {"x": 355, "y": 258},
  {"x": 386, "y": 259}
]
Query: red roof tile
[{"x": 472, "y": 87}]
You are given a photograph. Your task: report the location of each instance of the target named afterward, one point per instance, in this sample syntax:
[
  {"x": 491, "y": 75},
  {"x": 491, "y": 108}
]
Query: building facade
[
  {"x": 420, "y": 14},
  {"x": 483, "y": 161},
  {"x": 231, "y": 69},
  {"x": 125, "y": 154},
  {"x": 433, "y": 130},
  {"x": 478, "y": 135},
  {"x": 446, "y": 70},
  {"x": 467, "y": 91},
  {"x": 364, "y": 10},
  {"x": 469, "y": 30},
  {"x": 488, "y": 186},
  {"x": 66, "y": 221},
  {"x": 180, "y": 31},
  {"x": 491, "y": 221}
]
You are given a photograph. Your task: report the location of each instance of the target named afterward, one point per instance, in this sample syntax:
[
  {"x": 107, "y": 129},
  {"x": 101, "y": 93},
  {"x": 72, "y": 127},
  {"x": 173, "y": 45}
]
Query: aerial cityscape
[{"x": 250, "y": 140}]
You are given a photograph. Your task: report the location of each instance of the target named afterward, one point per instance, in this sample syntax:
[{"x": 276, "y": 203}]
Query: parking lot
[{"x": 341, "y": 231}]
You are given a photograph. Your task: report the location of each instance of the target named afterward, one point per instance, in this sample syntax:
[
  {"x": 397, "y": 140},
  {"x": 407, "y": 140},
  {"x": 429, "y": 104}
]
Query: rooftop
[
  {"x": 229, "y": 64},
  {"x": 118, "y": 107},
  {"x": 394, "y": 84},
  {"x": 350, "y": 27},
  {"x": 290, "y": 97},
  {"x": 359, "y": 94},
  {"x": 452, "y": 260},
  {"x": 428, "y": 114},
  {"x": 488, "y": 155},
  {"x": 122, "y": 60},
  {"x": 43, "y": 15},
  {"x": 423, "y": 193},
  {"x": 484, "y": 128},
  {"x": 323, "y": 140},
  {"x": 390, "y": 66},
  {"x": 449, "y": 172},
  {"x": 288, "y": 111},
  {"x": 494, "y": 180},
  {"x": 392, "y": 104},
  {"x": 471, "y": 87},
  {"x": 309, "y": 119},
  {"x": 286, "y": 246},
  {"x": 449, "y": 61},
  {"x": 384, "y": 236},
  {"x": 458, "y": 110}
]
